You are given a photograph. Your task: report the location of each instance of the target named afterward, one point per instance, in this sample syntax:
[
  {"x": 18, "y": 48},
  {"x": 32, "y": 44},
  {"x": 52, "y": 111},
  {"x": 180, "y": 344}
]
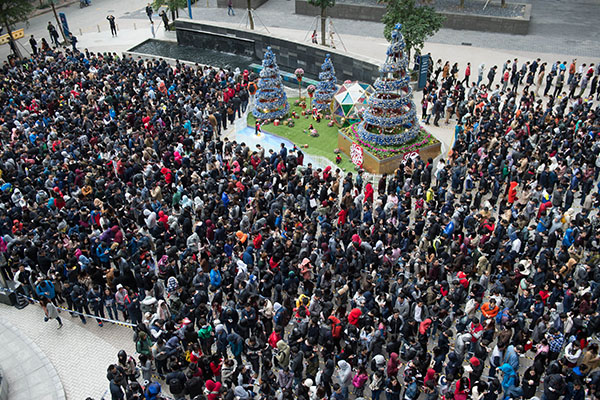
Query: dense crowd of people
[
  {"x": 558, "y": 81},
  {"x": 247, "y": 274}
]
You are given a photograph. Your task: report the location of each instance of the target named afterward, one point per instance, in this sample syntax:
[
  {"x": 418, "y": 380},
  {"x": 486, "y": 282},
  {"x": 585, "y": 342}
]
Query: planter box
[
  {"x": 388, "y": 165},
  {"x": 241, "y": 3},
  {"x": 474, "y": 22}
]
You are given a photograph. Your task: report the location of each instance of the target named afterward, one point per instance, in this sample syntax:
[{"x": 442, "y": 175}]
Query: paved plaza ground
[
  {"x": 559, "y": 30},
  {"x": 79, "y": 353}
]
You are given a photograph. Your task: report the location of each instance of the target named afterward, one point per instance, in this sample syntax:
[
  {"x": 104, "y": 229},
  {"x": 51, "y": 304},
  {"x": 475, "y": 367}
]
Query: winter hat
[{"x": 474, "y": 361}]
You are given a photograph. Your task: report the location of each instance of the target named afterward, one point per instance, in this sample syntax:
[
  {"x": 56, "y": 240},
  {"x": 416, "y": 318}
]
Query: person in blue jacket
[
  {"x": 237, "y": 346},
  {"x": 215, "y": 277},
  {"x": 46, "y": 289}
]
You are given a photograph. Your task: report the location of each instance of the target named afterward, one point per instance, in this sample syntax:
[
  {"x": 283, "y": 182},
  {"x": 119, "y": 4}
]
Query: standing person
[
  {"x": 424, "y": 104},
  {"x": 50, "y": 311},
  {"x": 559, "y": 84},
  {"x": 152, "y": 29},
  {"x": 467, "y": 74},
  {"x": 480, "y": 72},
  {"x": 33, "y": 44},
  {"x": 549, "y": 80},
  {"x": 540, "y": 78},
  {"x": 53, "y": 34},
  {"x": 110, "y": 304},
  {"x": 313, "y": 37},
  {"x": 149, "y": 11},
  {"x": 491, "y": 76},
  {"x": 438, "y": 69},
  {"x": 120, "y": 299},
  {"x": 165, "y": 19},
  {"x": 230, "y": 8},
  {"x": 572, "y": 70},
  {"x": 78, "y": 296},
  {"x": 94, "y": 297},
  {"x": 113, "y": 26},
  {"x": 505, "y": 78},
  {"x": 22, "y": 279},
  {"x": 74, "y": 42},
  {"x": 593, "y": 86}
]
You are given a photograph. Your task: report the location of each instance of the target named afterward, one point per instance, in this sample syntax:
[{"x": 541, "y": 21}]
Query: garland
[
  {"x": 388, "y": 122},
  {"x": 402, "y": 149}
]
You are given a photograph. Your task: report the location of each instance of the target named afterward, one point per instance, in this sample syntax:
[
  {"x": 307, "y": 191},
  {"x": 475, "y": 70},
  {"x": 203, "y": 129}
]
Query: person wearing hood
[
  {"x": 509, "y": 377},
  {"x": 283, "y": 354},
  {"x": 236, "y": 344},
  {"x": 344, "y": 377},
  {"x": 393, "y": 365},
  {"x": 213, "y": 389}
]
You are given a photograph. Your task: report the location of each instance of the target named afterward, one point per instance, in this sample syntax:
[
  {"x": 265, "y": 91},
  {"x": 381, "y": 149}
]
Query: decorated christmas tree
[
  {"x": 271, "y": 100},
  {"x": 390, "y": 118},
  {"x": 326, "y": 88}
]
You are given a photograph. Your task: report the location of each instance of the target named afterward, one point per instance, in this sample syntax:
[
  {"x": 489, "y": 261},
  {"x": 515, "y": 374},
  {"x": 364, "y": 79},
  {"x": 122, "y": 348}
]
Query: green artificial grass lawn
[{"x": 324, "y": 145}]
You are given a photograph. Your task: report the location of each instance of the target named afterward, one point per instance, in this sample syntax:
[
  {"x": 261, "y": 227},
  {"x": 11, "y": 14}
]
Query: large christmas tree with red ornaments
[{"x": 391, "y": 119}]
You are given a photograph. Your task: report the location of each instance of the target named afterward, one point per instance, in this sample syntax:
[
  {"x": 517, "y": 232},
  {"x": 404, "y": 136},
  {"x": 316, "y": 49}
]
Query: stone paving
[
  {"x": 27, "y": 370},
  {"x": 79, "y": 353}
]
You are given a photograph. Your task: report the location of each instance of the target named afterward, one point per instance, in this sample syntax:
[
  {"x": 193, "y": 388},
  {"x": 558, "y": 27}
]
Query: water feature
[
  {"x": 192, "y": 54},
  {"x": 273, "y": 142}
]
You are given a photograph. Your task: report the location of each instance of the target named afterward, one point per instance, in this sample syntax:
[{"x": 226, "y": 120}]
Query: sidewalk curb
[{"x": 37, "y": 12}]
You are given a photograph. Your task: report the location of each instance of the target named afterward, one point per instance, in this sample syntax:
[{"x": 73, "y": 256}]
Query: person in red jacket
[
  {"x": 354, "y": 316},
  {"x": 512, "y": 192},
  {"x": 214, "y": 390}
]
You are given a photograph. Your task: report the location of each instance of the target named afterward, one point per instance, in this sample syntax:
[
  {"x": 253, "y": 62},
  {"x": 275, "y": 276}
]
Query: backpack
[{"x": 336, "y": 331}]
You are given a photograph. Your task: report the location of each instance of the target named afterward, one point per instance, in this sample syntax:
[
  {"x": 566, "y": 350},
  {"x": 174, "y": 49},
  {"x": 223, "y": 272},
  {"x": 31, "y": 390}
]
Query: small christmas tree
[
  {"x": 390, "y": 119},
  {"x": 326, "y": 88},
  {"x": 271, "y": 100}
]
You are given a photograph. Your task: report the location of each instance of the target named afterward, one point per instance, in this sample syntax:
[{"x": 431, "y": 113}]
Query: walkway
[
  {"x": 27, "y": 370},
  {"x": 79, "y": 353}
]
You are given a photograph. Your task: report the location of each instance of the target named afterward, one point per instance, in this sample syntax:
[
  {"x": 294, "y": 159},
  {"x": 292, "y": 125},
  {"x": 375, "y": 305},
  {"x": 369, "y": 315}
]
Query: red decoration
[{"x": 356, "y": 155}]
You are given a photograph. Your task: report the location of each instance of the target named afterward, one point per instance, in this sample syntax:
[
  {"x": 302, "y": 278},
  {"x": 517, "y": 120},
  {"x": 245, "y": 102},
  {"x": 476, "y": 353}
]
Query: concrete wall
[
  {"x": 459, "y": 21},
  {"x": 290, "y": 55},
  {"x": 241, "y": 3}
]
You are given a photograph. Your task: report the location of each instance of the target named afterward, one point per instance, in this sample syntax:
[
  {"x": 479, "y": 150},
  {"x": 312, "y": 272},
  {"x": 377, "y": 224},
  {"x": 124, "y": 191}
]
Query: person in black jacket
[{"x": 176, "y": 380}]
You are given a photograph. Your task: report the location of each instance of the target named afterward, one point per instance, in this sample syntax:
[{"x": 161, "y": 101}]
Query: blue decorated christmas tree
[
  {"x": 390, "y": 118},
  {"x": 271, "y": 100},
  {"x": 326, "y": 87}
]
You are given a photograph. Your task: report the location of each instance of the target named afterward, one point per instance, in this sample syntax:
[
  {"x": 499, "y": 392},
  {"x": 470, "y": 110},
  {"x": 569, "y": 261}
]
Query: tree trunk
[
  {"x": 462, "y": 3},
  {"x": 59, "y": 24},
  {"x": 41, "y": 3},
  {"x": 173, "y": 15},
  {"x": 13, "y": 43},
  {"x": 323, "y": 23},
  {"x": 177, "y": 12},
  {"x": 250, "y": 17},
  {"x": 503, "y": 2}
]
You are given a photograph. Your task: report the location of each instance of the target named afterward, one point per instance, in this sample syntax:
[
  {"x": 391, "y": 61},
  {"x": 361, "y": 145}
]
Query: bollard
[
  {"x": 117, "y": 26},
  {"x": 80, "y": 32},
  {"x": 98, "y": 28},
  {"x": 134, "y": 27}
]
